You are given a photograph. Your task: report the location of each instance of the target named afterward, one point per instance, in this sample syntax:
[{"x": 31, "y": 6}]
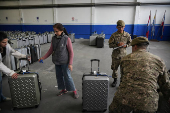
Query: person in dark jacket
[{"x": 62, "y": 56}]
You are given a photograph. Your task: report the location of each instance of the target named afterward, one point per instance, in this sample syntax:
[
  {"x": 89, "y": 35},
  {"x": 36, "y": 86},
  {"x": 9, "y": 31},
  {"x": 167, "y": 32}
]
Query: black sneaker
[{"x": 114, "y": 84}]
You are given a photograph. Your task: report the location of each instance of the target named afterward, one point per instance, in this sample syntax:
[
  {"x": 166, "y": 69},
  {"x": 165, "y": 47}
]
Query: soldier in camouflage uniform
[
  {"x": 118, "y": 38},
  {"x": 141, "y": 73}
]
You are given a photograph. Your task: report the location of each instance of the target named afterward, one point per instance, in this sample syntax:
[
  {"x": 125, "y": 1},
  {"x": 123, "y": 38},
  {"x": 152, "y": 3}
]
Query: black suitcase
[
  {"x": 100, "y": 41},
  {"x": 33, "y": 52},
  {"x": 95, "y": 88}
]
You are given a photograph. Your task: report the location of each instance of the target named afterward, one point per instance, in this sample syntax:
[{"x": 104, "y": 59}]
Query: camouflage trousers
[
  {"x": 117, "y": 107},
  {"x": 114, "y": 67}
]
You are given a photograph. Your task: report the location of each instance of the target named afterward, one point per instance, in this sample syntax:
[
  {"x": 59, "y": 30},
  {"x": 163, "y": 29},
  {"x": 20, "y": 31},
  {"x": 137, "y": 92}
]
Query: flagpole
[
  {"x": 150, "y": 23},
  {"x": 163, "y": 22},
  {"x": 160, "y": 25},
  {"x": 153, "y": 28},
  {"x": 147, "y": 32}
]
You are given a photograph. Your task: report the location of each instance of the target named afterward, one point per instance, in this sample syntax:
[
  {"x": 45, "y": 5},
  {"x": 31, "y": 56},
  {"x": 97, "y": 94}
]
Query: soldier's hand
[
  {"x": 124, "y": 46},
  {"x": 15, "y": 75},
  {"x": 121, "y": 44}
]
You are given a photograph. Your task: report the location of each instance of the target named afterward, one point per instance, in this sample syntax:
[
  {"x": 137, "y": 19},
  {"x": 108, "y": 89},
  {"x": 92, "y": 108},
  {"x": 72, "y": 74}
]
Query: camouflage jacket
[
  {"x": 141, "y": 73},
  {"x": 117, "y": 38}
]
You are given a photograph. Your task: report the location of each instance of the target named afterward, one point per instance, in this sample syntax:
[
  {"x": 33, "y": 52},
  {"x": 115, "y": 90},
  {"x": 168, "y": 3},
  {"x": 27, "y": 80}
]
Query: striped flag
[
  {"x": 153, "y": 25},
  {"x": 162, "y": 24},
  {"x": 147, "y": 33}
]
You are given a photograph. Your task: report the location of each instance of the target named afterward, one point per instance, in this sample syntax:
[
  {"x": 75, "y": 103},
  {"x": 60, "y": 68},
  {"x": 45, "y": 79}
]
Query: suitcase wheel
[
  {"x": 84, "y": 110},
  {"x": 13, "y": 109},
  {"x": 36, "y": 106},
  {"x": 104, "y": 110}
]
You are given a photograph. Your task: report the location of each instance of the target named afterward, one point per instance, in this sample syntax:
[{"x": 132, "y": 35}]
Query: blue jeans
[
  {"x": 64, "y": 78},
  {"x": 1, "y": 95}
]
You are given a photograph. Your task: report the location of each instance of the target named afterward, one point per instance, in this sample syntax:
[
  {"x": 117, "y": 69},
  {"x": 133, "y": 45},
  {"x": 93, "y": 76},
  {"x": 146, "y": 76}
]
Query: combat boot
[{"x": 114, "y": 82}]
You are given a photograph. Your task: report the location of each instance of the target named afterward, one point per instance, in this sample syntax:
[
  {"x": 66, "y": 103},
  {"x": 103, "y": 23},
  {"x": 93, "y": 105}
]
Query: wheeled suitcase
[
  {"x": 45, "y": 38},
  {"x": 93, "y": 40},
  {"x": 100, "y": 42},
  {"x": 29, "y": 53},
  {"x": 26, "y": 41},
  {"x": 22, "y": 51},
  {"x": 33, "y": 51},
  {"x": 31, "y": 40},
  {"x": 41, "y": 37},
  {"x": 36, "y": 39},
  {"x": 14, "y": 43},
  {"x": 38, "y": 49},
  {"x": 49, "y": 38},
  {"x": 13, "y": 63},
  {"x": 95, "y": 88},
  {"x": 72, "y": 37},
  {"x": 25, "y": 90}
]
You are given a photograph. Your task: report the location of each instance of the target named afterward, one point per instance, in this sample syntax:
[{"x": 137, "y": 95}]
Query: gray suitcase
[
  {"x": 36, "y": 39},
  {"x": 72, "y": 37},
  {"x": 95, "y": 88},
  {"x": 41, "y": 37},
  {"x": 31, "y": 40},
  {"x": 25, "y": 90},
  {"x": 45, "y": 38},
  {"x": 93, "y": 39},
  {"x": 49, "y": 38},
  {"x": 38, "y": 49},
  {"x": 15, "y": 43}
]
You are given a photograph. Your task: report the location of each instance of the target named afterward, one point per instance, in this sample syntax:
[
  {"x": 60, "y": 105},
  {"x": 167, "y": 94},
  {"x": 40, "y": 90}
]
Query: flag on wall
[
  {"x": 153, "y": 25},
  {"x": 147, "y": 33},
  {"x": 162, "y": 24}
]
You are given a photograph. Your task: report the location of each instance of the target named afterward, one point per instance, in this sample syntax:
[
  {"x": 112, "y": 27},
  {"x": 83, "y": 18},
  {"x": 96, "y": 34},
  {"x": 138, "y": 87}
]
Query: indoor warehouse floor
[{"x": 83, "y": 53}]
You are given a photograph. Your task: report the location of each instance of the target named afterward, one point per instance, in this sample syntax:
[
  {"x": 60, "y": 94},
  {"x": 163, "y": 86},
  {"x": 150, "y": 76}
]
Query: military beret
[
  {"x": 139, "y": 40},
  {"x": 120, "y": 23}
]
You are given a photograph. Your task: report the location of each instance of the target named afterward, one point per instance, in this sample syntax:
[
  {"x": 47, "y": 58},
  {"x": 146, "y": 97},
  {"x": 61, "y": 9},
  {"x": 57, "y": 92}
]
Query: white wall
[
  {"x": 83, "y": 15},
  {"x": 45, "y": 16},
  {"x": 35, "y": 2},
  {"x": 110, "y": 15},
  {"x": 72, "y": 1},
  {"x": 104, "y": 1},
  {"x": 29, "y": 16},
  {"x": 145, "y": 11},
  {"x": 8, "y": 3},
  {"x": 153, "y": 1},
  {"x": 13, "y": 17}
]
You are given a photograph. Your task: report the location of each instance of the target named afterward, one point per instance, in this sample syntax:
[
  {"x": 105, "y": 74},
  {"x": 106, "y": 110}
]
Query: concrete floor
[{"x": 51, "y": 103}]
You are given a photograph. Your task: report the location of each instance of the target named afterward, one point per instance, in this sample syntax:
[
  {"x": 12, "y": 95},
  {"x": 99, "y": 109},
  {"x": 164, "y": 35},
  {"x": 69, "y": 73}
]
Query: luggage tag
[
  {"x": 95, "y": 73},
  {"x": 41, "y": 61}
]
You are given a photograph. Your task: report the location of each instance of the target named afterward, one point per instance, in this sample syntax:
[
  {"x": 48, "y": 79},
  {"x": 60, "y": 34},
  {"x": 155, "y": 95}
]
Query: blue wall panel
[
  {"x": 81, "y": 31},
  {"x": 10, "y": 27},
  {"x": 84, "y": 31},
  {"x": 140, "y": 30},
  {"x": 38, "y": 28}
]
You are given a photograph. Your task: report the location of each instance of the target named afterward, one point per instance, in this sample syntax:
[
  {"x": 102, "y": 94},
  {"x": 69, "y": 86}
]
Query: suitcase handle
[
  {"x": 98, "y": 64},
  {"x": 22, "y": 67}
]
